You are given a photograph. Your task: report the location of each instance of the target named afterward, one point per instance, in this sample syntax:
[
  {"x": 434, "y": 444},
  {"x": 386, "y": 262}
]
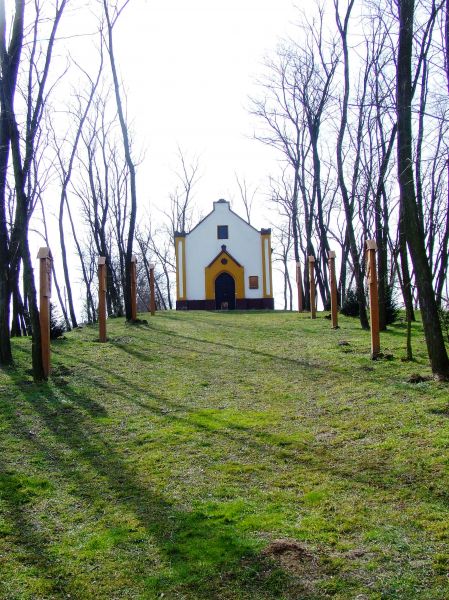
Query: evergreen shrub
[
  {"x": 57, "y": 324},
  {"x": 350, "y": 306}
]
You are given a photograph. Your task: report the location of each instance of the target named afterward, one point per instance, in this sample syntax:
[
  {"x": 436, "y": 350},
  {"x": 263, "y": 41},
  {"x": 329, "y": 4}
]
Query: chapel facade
[{"x": 223, "y": 263}]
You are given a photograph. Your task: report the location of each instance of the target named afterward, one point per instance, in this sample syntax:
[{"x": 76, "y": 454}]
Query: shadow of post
[{"x": 197, "y": 549}]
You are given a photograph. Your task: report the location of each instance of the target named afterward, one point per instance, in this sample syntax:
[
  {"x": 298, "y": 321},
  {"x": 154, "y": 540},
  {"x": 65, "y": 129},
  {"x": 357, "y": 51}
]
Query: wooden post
[
  {"x": 102, "y": 298},
  {"x": 152, "y": 298},
  {"x": 371, "y": 274},
  {"x": 299, "y": 286},
  {"x": 333, "y": 282},
  {"x": 312, "y": 286},
  {"x": 45, "y": 260},
  {"x": 133, "y": 288}
]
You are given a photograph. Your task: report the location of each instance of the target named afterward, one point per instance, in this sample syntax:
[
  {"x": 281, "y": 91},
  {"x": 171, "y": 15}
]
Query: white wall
[{"x": 202, "y": 246}]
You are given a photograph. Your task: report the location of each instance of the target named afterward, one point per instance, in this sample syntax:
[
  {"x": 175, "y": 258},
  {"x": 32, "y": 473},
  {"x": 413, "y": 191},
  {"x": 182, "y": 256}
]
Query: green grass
[{"x": 164, "y": 464}]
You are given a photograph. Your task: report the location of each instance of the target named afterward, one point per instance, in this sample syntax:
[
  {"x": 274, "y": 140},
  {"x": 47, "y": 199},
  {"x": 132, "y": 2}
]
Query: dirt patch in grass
[
  {"x": 441, "y": 410},
  {"x": 292, "y": 556},
  {"x": 417, "y": 378},
  {"x": 124, "y": 339},
  {"x": 61, "y": 371}
]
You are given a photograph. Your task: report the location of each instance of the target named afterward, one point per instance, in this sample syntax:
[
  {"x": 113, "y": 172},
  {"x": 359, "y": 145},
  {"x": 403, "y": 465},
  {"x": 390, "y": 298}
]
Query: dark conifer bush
[
  {"x": 444, "y": 320},
  {"x": 350, "y": 307},
  {"x": 57, "y": 325},
  {"x": 391, "y": 306}
]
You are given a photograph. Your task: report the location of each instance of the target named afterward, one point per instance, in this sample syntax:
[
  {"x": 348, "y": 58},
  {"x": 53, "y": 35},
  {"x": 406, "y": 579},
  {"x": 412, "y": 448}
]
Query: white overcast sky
[{"x": 189, "y": 68}]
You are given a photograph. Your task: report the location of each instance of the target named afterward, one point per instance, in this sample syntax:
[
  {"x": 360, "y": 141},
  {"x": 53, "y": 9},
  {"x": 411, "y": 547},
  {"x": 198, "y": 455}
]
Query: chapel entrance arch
[
  {"x": 225, "y": 292},
  {"x": 217, "y": 287}
]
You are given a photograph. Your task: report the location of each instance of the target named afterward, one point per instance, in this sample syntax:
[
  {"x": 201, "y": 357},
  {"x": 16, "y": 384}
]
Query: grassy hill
[{"x": 224, "y": 456}]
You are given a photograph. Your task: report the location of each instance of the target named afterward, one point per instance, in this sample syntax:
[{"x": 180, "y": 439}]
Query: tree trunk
[
  {"x": 131, "y": 168},
  {"x": 405, "y": 269},
  {"x": 53, "y": 270},
  {"x": 381, "y": 224},
  {"x": 18, "y": 322},
  {"x": 358, "y": 273},
  {"x": 322, "y": 231},
  {"x": 413, "y": 227},
  {"x": 442, "y": 271},
  {"x": 9, "y": 59},
  {"x": 5, "y": 342},
  {"x": 65, "y": 266},
  {"x": 90, "y": 301},
  {"x": 22, "y": 238}
]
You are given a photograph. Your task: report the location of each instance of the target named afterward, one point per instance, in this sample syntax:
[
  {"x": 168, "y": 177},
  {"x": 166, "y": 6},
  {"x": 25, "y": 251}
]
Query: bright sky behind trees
[{"x": 188, "y": 68}]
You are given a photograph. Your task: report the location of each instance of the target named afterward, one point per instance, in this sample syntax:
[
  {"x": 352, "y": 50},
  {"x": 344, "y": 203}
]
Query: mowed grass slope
[{"x": 167, "y": 462}]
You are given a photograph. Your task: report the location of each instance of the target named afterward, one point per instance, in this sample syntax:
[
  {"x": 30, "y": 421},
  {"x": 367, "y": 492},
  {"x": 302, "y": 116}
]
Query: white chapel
[{"x": 223, "y": 263}]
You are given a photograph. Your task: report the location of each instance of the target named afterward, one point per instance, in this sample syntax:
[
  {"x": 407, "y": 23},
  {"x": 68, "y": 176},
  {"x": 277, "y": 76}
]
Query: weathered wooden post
[
  {"x": 152, "y": 298},
  {"x": 299, "y": 286},
  {"x": 333, "y": 282},
  {"x": 45, "y": 260},
  {"x": 371, "y": 248},
  {"x": 312, "y": 286},
  {"x": 102, "y": 298},
  {"x": 133, "y": 288}
]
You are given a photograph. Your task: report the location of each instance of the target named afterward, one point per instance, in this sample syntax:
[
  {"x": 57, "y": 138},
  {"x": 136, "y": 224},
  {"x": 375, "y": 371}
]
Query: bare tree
[
  {"x": 145, "y": 258},
  {"x": 9, "y": 65},
  {"x": 23, "y": 146},
  {"x": 348, "y": 204},
  {"x": 65, "y": 169},
  {"x": 413, "y": 223},
  {"x": 296, "y": 98},
  {"x": 282, "y": 254},
  {"x": 246, "y": 196},
  {"x": 179, "y": 216},
  {"x": 101, "y": 188},
  {"x": 180, "y": 213},
  {"x": 111, "y": 20}
]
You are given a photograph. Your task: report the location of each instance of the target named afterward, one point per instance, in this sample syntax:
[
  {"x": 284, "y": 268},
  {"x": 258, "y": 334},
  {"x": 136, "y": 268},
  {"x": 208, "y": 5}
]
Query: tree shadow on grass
[
  {"x": 31, "y": 545},
  {"x": 214, "y": 421},
  {"x": 399, "y": 329},
  {"x": 317, "y": 456},
  {"x": 197, "y": 549},
  {"x": 203, "y": 554},
  {"x": 294, "y": 361},
  {"x": 218, "y": 322},
  {"x": 374, "y": 469}
]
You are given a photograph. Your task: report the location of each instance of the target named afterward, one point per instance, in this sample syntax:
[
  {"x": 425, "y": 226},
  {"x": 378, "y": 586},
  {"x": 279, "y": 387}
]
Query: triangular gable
[
  {"x": 223, "y": 252},
  {"x": 232, "y": 213}
]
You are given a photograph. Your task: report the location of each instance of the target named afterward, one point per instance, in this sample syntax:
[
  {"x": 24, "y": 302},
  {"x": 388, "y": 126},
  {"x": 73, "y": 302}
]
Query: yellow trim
[
  {"x": 264, "y": 277},
  {"x": 263, "y": 237},
  {"x": 271, "y": 267},
  {"x": 217, "y": 268},
  {"x": 177, "y": 268},
  {"x": 182, "y": 241},
  {"x": 184, "y": 270}
]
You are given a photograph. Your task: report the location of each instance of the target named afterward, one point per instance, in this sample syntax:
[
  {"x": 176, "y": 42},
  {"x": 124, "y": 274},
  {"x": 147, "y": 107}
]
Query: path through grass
[{"x": 167, "y": 462}]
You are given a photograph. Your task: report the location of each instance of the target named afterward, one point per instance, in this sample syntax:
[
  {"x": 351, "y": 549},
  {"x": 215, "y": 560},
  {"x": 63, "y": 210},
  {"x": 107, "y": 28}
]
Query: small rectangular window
[
  {"x": 222, "y": 232},
  {"x": 253, "y": 282}
]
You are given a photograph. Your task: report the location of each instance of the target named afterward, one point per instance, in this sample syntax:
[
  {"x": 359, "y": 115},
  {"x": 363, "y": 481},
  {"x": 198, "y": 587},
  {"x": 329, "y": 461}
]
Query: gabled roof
[{"x": 222, "y": 201}]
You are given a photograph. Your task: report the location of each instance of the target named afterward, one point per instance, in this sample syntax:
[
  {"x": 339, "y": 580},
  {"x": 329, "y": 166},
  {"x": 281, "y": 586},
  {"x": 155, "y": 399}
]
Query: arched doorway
[{"x": 225, "y": 292}]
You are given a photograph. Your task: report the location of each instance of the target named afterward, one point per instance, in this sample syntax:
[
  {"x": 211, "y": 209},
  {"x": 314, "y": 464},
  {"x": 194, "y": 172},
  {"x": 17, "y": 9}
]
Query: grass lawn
[{"x": 224, "y": 456}]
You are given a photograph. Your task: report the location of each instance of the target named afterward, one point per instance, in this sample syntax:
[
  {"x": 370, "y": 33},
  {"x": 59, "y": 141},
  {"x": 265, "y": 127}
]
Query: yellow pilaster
[
  {"x": 181, "y": 279},
  {"x": 267, "y": 274}
]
